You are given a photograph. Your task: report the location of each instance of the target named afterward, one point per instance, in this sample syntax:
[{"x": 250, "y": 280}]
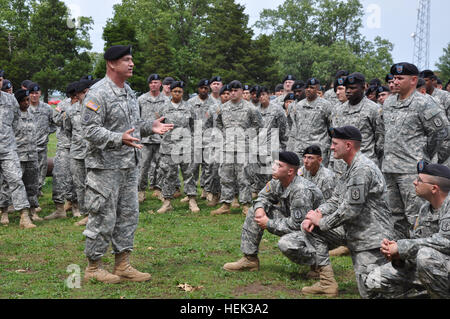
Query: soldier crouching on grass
[
  {"x": 112, "y": 127},
  {"x": 280, "y": 208}
]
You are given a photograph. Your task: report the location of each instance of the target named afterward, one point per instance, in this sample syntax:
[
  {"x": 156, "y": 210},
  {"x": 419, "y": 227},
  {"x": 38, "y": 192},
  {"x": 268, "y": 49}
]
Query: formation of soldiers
[{"x": 322, "y": 170}]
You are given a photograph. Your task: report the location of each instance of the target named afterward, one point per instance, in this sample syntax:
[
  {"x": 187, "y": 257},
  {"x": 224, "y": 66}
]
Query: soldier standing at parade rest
[
  {"x": 358, "y": 205},
  {"x": 415, "y": 128},
  {"x": 288, "y": 82},
  {"x": 330, "y": 95},
  {"x": 166, "y": 86},
  {"x": 280, "y": 208},
  {"x": 216, "y": 85},
  {"x": 112, "y": 126},
  {"x": 442, "y": 97},
  {"x": 390, "y": 82},
  {"x": 246, "y": 92},
  {"x": 382, "y": 94},
  {"x": 418, "y": 265}
]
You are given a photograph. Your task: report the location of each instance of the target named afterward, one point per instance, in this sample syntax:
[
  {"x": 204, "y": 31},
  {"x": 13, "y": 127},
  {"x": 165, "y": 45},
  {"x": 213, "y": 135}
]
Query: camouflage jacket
[
  {"x": 45, "y": 125},
  {"x": 63, "y": 141},
  {"x": 331, "y": 97},
  {"x": 325, "y": 179},
  {"x": 108, "y": 112},
  {"x": 150, "y": 108},
  {"x": 203, "y": 116},
  {"x": 443, "y": 97},
  {"x": 359, "y": 205},
  {"x": 439, "y": 240},
  {"x": 180, "y": 139},
  {"x": 310, "y": 123},
  {"x": 275, "y": 118},
  {"x": 26, "y": 137},
  {"x": 74, "y": 129},
  {"x": 293, "y": 202},
  {"x": 9, "y": 119},
  {"x": 411, "y": 126}
]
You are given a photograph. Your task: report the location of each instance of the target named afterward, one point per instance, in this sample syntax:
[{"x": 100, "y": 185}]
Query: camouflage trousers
[
  {"x": 321, "y": 242},
  {"x": 433, "y": 268},
  {"x": 78, "y": 171},
  {"x": 232, "y": 175},
  {"x": 209, "y": 177},
  {"x": 257, "y": 177},
  {"x": 62, "y": 183},
  {"x": 149, "y": 166},
  {"x": 170, "y": 179},
  {"x": 43, "y": 165},
  {"x": 29, "y": 173},
  {"x": 111, "y": 199},
  {"x": 403, "y": 201}
]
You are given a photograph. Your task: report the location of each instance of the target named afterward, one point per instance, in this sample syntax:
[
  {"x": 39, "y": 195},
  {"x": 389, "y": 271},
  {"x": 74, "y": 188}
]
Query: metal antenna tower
[{"x": 422, "y": 35}]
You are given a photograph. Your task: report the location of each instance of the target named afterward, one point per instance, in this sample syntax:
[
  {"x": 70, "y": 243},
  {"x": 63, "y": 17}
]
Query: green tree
[{"x": 444, "y": 64}]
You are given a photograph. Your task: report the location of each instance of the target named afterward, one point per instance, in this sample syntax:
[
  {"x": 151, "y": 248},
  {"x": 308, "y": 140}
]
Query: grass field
[{"x": 176, "y": 248}]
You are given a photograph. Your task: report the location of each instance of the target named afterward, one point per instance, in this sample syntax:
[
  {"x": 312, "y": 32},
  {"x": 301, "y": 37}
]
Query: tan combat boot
[
  {"x": 68, "y": 206},
  {"x": 313, "y": 273},
  {"x": 75, "y": 210},
  {"x": 250, "y": 263},
  {"x": 245, "y": 209},
  {"x": 123, "y": 269},
  {"x": 141, "y": 196},
  {"x": 94, "y": 270},
  {"x": 224, "y": 209},
  {"x": 82, "y": 222},
  {"x": 25, "y": 221},
  {"x": 38, "y": 209},
  {"x": 340, "y": 251},
  {"x": 156, "y": 193},
  {"x": 10, "y": 209},
  {"x": 235, "y": 203},
  {"x": 213, "y": 200},
  {"x": 34, "y": 216},
  {"x": 203, "y": 195},
  {"x": 5, "y": 220},
  {"x": 58, "y": 213},
  {"x": 166, "y": 207},
  {"x": 193, "y": 205},
  {"x": 185, "y": 200},
  {"x": 326, "y": 286}
]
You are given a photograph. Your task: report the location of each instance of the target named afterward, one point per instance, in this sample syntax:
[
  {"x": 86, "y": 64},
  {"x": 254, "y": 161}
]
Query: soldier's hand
[
  {"x": 307, "y": 225},
  {"x": 129, "y": 140},
  {"x": 161, "y": 128}
]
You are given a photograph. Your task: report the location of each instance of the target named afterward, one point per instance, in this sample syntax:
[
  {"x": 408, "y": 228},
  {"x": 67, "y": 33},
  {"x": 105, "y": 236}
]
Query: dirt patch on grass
[{"x": 266, "y": 291}]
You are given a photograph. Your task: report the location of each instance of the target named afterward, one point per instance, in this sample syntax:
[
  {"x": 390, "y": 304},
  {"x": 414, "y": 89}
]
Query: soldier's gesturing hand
[
  {"x": 129, "y": 140},
  {"x": 161, "y": 128}
]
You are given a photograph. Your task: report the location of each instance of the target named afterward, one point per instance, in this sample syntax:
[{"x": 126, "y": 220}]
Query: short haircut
[{"x": 442, "y": 182}]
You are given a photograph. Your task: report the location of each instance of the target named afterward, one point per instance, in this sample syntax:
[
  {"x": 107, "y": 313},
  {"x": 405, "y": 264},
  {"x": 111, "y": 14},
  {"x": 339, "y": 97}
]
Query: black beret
[
  {"x": 439, "y": 81},
  {"x": 389, "y": 77},
  {"x": 421, "y": 82},
  {"x": 345, "y": 133},
  {"x": 289, "y": 158},
  {"x": 312, "y": 81},
  {"x": 117, "y": 51},
  {"x": 224, "y": 88},
  {"x": 427, "y": 74},
  {"x": 341, "y": 73},
  {"x": 2, "y": 73},
  {"x": 371, "y": 89},
  {"x": 87, "y": 77},
  {"x": 339, "y": 81},
  {"x": 33, "y": 87},
  {"x": 355, "y": 78},
  {"x": 423, "y": 167},
  {"x": 404, "y": 68},
  {"x": 246, "y": 87},
  {"x": 235, "y": 85},
  {"x": 289, "y": 96},
  {"x": 168, "y": 80},
  {"x": 313, "y": 150},
  {"x": 298, "y": 85},
  {"x": 263, "y": 89},
  {"x": 26, "y": 83},
  {"x": 20, "y": 94},
  {"x": 376, "y": 82},
  {"x": 204, "y": 82},
  {"x": 289, "y": 78},
  {"x": 382, "y": 89},
  {"x": 279, "y": 88},
  {"x": 177, "y": 84},
  {"x": 82, "y": 85},
  {"x": 153, "y": 77},
  {"x": 216, "y": 79},
  {"x": 71, "y": 89},
  {"x": 255, "y": 88},
  {"x": 6, "y": 84}
]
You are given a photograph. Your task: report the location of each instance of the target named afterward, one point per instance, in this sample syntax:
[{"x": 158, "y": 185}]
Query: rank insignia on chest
[{"x": 91, "y": 105}]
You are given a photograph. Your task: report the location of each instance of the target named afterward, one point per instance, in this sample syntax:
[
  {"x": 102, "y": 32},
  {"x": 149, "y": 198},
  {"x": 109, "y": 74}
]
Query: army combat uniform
[
  {"x": 411, "y": 126},
  {"x": 331, "y": 97},
  {"x": 325, "y": 179}
]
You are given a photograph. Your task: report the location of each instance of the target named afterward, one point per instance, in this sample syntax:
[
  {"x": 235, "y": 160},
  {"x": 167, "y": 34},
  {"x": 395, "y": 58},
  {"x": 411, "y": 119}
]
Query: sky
[{"x": 394, "y": 20}]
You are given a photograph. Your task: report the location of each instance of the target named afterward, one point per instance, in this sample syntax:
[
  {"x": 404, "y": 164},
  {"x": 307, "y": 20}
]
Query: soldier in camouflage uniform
[
  {"x": 177, "y": 149},
  {"x": 363, "y": 114},
  {"x": 443, "y": 97},
  {"x": 45, "y": 125},
  {"x": 402, "y": 278},
  {"x": 150, "y": 105},
  {"x": 310, "y": 122},
  {"x": 216, "y": 85},
  {"x": 358, "y": 204},
  {"x": 288, "y": 82},
  {"x": 237, "y": 120},
  {"x": 280, "y": 209},
  {"x": 10, "y": 168},
  {"x": 112, "y": 125},
  {"x": 204, "y": 106},
  {"x": 415, "y": 128},
  {"x": 330, "y": 95},
  {"x": 275, "y": 122}
]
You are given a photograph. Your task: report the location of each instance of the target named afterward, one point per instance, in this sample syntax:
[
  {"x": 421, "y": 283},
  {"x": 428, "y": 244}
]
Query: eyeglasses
[{"x": 419, "y": 180}]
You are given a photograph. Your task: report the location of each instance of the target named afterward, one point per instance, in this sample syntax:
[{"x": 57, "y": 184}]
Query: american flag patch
[{"x": 91, "y": 105}]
